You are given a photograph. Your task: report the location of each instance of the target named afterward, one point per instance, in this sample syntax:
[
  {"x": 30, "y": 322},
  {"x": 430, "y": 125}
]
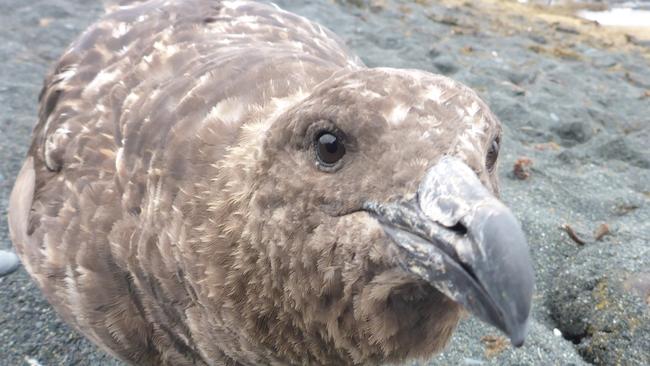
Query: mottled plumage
[{"x": 172, "y": 209}]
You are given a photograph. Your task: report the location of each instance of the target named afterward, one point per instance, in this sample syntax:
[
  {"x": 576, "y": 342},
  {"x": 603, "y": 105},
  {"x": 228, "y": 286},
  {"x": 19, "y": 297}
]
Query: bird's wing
[{"x": 20, "y": 204}]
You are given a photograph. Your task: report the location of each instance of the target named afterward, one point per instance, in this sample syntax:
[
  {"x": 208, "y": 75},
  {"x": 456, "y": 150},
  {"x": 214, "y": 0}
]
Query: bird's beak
[{"x": 462, "y": 240}]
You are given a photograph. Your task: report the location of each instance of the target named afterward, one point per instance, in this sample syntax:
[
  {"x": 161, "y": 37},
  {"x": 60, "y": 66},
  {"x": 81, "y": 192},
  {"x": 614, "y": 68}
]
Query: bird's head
[{"x": 378, "y": 220}]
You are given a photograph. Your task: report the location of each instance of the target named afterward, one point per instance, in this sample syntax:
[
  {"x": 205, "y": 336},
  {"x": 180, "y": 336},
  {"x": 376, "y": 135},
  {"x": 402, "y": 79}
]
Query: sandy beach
[{"x": 574, "y": 99}]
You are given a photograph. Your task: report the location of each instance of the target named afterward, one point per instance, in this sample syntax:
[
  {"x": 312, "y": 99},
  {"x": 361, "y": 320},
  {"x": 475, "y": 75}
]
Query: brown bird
[{"x": 224, "y": 183}]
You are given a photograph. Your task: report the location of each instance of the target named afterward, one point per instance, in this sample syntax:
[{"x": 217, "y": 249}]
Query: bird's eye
[
  {"x": 329, "y": 148},
  {"x": 492, "y": 155}
]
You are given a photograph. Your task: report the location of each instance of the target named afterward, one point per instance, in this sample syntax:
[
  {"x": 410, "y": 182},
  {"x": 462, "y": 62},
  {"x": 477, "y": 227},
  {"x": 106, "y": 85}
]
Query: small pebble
[
  {"x": 521, "y": 168},
  {"x": 557, "y": 333},
  {"x": 473, "y": 361},
  {"x": 32, "y": 361},
  {"x": 9, "y": 262},
  {"x": 554, "y": 117}
]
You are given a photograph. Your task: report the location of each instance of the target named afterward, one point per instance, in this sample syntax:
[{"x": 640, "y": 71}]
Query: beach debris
[
  {"x": 469, "y": 49},
  {"x": 521, "y": 168},
  {"x": 563, "y": 52},
  {"x": 573, "y": 235},
  {"x": 551, "y": 145},
  {"x": 514, "y": 88},
  {"x": 601, "y": 230},
  {"x": 44, "y": 22},
  {"x": 565, "y": 29},
  {"x": 494, "y": 345},
  {"x": 445, "y": 19}
]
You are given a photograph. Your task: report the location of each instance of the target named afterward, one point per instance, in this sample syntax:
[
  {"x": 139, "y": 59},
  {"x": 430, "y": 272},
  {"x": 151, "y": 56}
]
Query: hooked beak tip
[
  {"x": 486, "y": 267},
  {"x": 518, "y": 333}
]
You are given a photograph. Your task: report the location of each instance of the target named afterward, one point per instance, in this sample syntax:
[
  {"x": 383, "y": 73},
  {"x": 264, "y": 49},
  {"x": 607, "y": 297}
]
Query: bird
[{"x": 226, "y": 183}]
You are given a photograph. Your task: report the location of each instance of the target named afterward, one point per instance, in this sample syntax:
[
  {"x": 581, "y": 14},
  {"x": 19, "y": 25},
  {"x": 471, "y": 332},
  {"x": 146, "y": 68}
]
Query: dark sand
[{"x": 574, "y": 99}]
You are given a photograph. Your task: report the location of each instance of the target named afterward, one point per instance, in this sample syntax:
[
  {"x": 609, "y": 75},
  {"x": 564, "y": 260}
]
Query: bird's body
[{"x": 166, "y": 208}]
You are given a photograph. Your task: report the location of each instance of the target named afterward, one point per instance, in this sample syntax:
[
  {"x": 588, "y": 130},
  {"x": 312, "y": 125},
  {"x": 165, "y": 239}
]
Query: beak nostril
[{"x": 459, "y": 228}]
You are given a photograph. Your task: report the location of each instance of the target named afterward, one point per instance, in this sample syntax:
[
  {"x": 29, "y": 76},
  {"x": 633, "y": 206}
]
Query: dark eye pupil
[
  {"x": 492, "y": 155},
  {"x": 330, "y": 149}
]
